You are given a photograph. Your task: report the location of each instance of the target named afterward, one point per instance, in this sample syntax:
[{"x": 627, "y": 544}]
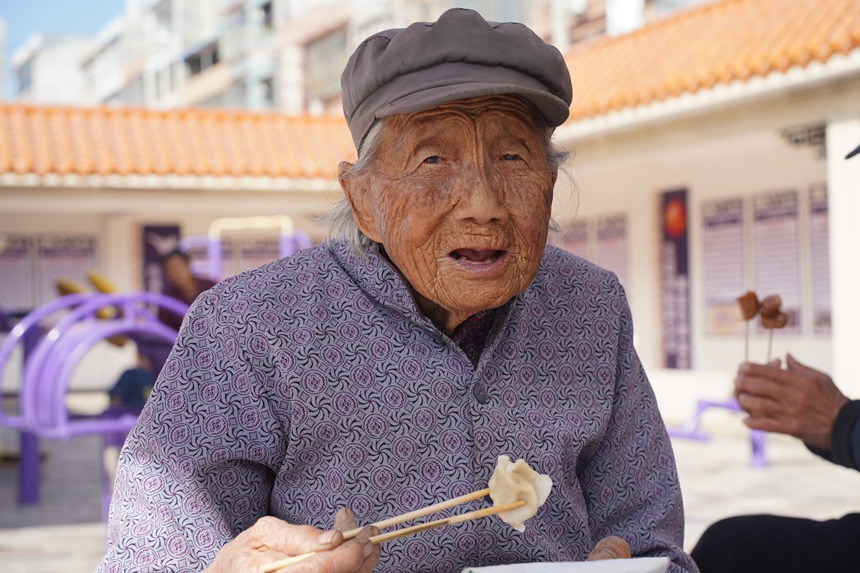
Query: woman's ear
[{"x": 357, "y": 192}]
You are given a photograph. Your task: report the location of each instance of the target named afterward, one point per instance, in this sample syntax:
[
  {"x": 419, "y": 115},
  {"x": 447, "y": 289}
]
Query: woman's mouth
[{"x": 478, "y": 258}]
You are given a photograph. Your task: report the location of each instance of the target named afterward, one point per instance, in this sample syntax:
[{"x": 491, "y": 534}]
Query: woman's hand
[
  {"x": 611, "y": 547},
  {"x": 271, "y": 539}
]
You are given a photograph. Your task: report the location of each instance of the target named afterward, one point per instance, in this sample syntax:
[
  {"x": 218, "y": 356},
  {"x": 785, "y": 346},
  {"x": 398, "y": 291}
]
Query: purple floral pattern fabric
[{"x": 313, "y": 383}]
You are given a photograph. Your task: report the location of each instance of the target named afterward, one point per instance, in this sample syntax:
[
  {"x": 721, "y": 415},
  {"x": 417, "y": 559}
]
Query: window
[
  {"x": 267, "y": 91},
  {"x": 202, "y": 59},
  {"x": 266, "y": 15},
  {"x": 25, "y": 77},
  {"x": 325, "y": 58}
]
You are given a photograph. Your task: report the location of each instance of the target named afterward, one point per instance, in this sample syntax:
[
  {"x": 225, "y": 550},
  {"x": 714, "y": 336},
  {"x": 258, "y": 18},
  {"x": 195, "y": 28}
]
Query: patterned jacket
[{"x": 314, "y": 383}]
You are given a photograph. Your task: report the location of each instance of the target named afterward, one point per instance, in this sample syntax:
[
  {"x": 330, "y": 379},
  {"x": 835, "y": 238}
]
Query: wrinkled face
[{"x": 460, "y": 196}]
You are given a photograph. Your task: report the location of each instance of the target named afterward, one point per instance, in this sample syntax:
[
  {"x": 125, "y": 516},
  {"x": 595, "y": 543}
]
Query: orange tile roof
[
  {"x": 715, "y": 43},
  {"x": 44, "y": 140}
]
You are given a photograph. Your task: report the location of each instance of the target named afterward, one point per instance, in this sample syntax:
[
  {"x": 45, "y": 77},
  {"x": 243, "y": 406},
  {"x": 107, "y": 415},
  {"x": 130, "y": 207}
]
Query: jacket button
[{"x": 480, "y": 393}]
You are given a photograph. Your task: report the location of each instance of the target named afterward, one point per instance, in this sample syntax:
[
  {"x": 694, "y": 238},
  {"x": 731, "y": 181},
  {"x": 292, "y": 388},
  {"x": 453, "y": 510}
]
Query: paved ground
[
  {"x": 70, "y": 489},
  {"x": 64, "y": 533},
  {"x": 717, "y": 481}
]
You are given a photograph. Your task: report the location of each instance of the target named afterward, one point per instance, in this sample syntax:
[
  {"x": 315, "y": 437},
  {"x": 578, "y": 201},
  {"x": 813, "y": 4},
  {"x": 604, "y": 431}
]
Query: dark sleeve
[
  {"x": 120, "y": 389},
  {"x": 168, "y": 317},
  {"x": 845, "y": 438},
  {"x": 172, "y": 319}
]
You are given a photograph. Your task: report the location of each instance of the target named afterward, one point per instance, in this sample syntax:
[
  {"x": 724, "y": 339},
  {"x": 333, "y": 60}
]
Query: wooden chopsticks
[
  {"x": 435, "y": 508},
  {"x": 377, "y": 539},
  {"x": 476, "y": 514}
]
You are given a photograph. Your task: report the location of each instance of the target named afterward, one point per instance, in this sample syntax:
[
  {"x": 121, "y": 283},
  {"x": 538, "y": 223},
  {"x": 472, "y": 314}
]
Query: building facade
[
  {"x": 49, "y": 69},
  {"x": 708, "y": 160},
  {"x": 284, "y": 55}
]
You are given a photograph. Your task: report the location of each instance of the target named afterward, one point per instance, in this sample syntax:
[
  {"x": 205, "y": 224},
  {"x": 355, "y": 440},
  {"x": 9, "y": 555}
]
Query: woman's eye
[
  {"x": 432, "y": 159},
  {"x": 510, "y": 157}
]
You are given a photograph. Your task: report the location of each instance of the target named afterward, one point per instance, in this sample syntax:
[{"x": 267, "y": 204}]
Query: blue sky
[{"x": 26, "y": 17}]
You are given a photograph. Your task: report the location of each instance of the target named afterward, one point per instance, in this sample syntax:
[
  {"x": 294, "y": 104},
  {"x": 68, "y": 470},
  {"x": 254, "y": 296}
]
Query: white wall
[
  {"x": 844, "y": 175},
  {"x": 115, "y": 216},
  {"x": 725, "y": 153}
]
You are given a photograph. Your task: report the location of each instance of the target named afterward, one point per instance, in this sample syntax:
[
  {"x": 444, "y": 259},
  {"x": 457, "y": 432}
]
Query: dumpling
[{"x": 516, "y": 481}]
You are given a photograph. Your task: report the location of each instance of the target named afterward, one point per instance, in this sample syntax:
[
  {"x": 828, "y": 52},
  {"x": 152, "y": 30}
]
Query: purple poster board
[{"x": 675, "y": 279}]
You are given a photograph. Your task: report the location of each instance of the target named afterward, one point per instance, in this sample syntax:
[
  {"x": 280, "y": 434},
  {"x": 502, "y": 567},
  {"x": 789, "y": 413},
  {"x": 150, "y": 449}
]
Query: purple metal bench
[{"x": 50, "y": 363}]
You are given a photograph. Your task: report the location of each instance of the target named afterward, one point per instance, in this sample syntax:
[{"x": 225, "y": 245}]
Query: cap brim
[
  {"x": 853, "y": 153},
  {"x": 553, "y": 109}
]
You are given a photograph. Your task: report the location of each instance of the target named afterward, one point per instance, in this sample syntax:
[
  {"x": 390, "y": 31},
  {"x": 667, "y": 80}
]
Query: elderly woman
[{"x": 387, "y": 369}]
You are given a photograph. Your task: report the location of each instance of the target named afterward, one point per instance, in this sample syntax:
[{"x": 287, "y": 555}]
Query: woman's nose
[{"x": 481, "y": 197}]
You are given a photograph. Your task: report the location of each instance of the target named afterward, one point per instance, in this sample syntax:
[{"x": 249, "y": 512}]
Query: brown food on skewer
[
  {"x": 771, "y": 322},
  {"x": 770, "y": 308},
  {"x": 748, "y": 304},
  {"x": 771, "y": 315}
]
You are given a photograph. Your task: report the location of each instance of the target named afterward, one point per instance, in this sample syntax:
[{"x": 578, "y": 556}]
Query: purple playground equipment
[
  {"x": 690, "y": 430},
  {"x": 290, "y": 240},
  {"x": 50, "y": 361}
]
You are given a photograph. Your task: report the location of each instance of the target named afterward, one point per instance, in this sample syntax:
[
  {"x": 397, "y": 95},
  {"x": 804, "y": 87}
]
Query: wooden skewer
[
  {"x": 377, "y": 539},
  {"x": 476, "y": 514},
  {"x": 769, "y": 344},
  {"x": 402, "y": 518}
]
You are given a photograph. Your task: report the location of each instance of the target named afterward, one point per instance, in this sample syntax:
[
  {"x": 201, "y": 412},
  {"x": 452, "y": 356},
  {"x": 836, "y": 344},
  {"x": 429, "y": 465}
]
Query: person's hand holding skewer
[{"x": 798, "y": 400}]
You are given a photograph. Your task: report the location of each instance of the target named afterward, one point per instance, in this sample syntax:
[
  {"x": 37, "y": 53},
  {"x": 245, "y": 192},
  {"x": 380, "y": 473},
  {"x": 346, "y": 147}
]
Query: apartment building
[
  {"x": 49, "y": 70},
  {"x": 284, "y": 55}
]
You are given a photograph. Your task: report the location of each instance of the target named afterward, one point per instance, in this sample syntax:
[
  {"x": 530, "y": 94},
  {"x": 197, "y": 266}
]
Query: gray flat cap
[{"x": 460, "y": 56}]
